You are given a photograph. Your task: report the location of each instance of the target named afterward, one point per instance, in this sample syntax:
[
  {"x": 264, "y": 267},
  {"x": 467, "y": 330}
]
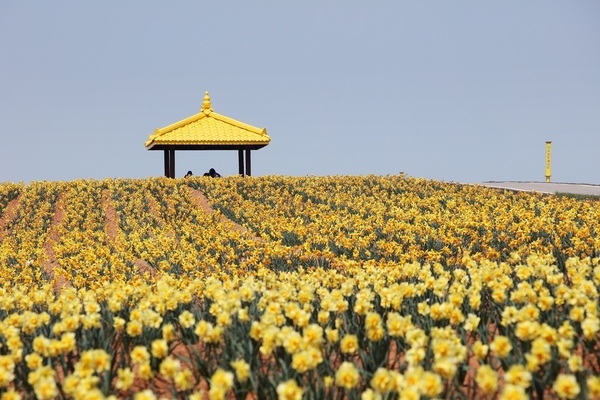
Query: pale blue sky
[{"x": 464, "y": 91}]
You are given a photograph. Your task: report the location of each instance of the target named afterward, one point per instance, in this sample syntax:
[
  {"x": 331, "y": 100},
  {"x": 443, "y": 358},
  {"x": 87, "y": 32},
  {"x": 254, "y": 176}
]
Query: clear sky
[{"x": 465, "y": 91}]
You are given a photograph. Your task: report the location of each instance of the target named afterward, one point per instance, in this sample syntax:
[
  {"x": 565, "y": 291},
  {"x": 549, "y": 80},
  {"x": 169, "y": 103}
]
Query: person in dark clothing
[
  {"x": 189, "y": 174},
  {"x": 214, "y": 173}
]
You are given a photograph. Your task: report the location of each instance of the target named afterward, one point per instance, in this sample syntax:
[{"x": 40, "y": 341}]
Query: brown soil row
[
  {"x": 8, "y": 216},
  {"x": 51, "y": 264}
]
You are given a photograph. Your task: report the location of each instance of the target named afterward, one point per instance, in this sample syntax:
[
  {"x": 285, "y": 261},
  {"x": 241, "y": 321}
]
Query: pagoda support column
[
  {"x": 172, "y": 163},
  {"x": 241, "y": 162},
  {"x": 248, "y": 172},
  {"x": 167, "y": 163}
]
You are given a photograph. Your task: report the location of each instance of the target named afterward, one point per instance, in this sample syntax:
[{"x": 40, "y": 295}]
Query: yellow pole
[{"x": 548, "y": 159}]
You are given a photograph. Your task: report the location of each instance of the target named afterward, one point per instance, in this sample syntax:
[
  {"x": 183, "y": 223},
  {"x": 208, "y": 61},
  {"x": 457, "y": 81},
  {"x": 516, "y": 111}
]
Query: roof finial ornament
[{"x": 206, "y": 106}]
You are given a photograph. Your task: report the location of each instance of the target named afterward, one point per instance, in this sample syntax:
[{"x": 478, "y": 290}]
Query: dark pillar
[
  {"x": 241, "y": 162},
  {"x": 248, "y": 162},
  {"x": 172, "y": 163},
  {"x": 167, "y": 163}
]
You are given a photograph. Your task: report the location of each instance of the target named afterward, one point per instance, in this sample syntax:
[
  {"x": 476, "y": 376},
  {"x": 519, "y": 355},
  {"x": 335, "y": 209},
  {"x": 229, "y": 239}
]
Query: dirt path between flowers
[
  {"x": 110, "y": 216},
  {"x": 8, "y": 216},
  {"x": 51, "y": 264}
]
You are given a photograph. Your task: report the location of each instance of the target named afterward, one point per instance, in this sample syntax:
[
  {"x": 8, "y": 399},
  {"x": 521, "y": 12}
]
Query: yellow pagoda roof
[{"x": 208, "y": 129}]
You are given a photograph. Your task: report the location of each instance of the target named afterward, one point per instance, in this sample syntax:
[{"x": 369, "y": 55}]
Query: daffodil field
[{"x": 346, "y": 287}]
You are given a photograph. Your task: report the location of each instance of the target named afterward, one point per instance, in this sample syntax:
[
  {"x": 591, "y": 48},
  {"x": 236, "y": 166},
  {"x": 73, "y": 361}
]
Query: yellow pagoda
[{"x": 208, "y": 130}]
